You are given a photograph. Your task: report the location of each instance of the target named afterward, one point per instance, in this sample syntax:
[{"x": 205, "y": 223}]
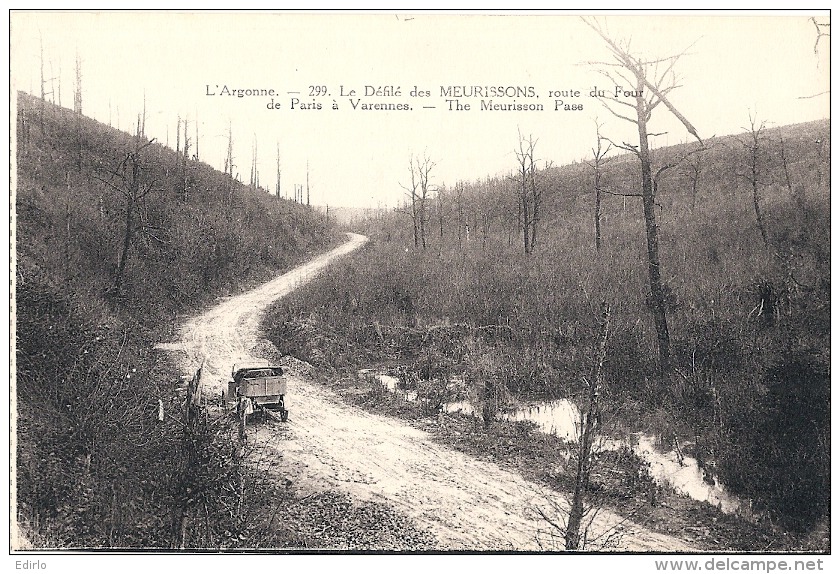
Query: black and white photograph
[{"x": 421, "y": 282}]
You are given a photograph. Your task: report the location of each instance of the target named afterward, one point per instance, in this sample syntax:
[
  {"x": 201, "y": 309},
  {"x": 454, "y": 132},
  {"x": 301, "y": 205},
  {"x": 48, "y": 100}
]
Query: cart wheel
[{"x": 284, "y": 415}]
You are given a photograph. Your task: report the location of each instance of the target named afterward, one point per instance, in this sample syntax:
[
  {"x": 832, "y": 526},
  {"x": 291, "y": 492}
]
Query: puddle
[
  {"x": 562, "y": 418},
  {"x": 389, "y": 383},
  {"x": 685, "y": 478},
  {"x": 463, "y": 407}
]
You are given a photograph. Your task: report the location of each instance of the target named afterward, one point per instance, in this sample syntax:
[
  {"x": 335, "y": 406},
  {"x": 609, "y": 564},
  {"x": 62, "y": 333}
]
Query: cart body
[{"x": 261, "y": 387}]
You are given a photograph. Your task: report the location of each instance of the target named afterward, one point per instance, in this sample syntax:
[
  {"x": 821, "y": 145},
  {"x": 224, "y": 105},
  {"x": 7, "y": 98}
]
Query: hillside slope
[
  {"x": 116, "y": 238},
  {"x": 748, "y": 394}
]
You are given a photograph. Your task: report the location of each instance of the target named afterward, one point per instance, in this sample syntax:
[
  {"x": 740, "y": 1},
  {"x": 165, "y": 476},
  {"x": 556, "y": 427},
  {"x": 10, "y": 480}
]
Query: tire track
[{"x": 468, "y": 504}]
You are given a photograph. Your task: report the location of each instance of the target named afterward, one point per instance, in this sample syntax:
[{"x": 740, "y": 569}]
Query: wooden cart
[{"x": 260, "y": 389}]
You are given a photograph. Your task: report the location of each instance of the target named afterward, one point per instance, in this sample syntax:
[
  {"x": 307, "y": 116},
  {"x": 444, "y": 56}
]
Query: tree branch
[
  {"x": 111, "y": 185},
  {"x": 624, "y": 145},
  {"x": 621, "y": 194},
  {"x": 616, "y": 114},
  {"x": 814, "y": 96}
]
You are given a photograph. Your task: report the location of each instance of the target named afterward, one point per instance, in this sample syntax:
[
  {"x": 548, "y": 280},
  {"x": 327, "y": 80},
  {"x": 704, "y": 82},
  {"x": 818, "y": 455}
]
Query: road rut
[{"x": 327, "y": 444}]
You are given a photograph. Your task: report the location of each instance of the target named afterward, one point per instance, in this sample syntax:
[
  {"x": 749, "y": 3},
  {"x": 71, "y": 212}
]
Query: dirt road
[{"x": 467, "y": 503}]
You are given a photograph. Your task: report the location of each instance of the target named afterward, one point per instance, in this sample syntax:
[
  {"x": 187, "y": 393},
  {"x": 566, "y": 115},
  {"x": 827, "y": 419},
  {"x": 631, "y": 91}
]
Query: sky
[{"x": 735, "y": 64}]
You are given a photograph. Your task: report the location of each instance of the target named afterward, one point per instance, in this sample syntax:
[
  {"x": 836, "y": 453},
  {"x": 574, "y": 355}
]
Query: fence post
[{"x": 192, "y": 405}]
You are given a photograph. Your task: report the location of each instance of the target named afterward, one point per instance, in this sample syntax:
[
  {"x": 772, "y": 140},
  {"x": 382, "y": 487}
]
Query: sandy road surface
[
  {"x": 468, "y": 504},
  {"x": 225, "y": 335}
]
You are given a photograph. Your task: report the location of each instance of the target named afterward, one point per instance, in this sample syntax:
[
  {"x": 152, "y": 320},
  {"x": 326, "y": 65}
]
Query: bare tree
[
  {"x": 693, "y": 168},
  {"x": 786, "y": 171},
  {"x": 441, "y": 199},
  {"x": 419, "y": 193},
  {"x": 649, "y": 82},
  {"x": 530, "y": 191},
  {"x": 52, "y": 84},
  {"x": 526, "y": 167},
  {"x": 196, "y": 132},
  {"x": 539, "y": 183},
  {"x": 459, "y": 201},
  {"x": 424, "y": 170},
  {"x": 128, "y": 181},
  {"x": 43, "y": 83},
  {"x": 277, "y": 187},
  {"x": 229, "y": 167},
  {"x": 177, "y": 139},
  {"x": 141, "y": 132},
  {"x": 58, "y": 77},
  {"x": 411, "y": 192},
  {"x": 589, "y": 426},
  {"x": 753, "y": 144},
  {"x": 77, "y": 108},
  {"x": 823, "y": 31},
  {"x": 184, "y": 179},
  {"x": 255, "y": 174},
  {"x": 599, "y": 158}
]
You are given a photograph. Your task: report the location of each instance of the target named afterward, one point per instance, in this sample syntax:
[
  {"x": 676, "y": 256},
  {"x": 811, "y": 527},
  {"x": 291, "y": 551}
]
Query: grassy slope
[
  {"x": 95, "y": 467},
  {"x": 740, "y": 312}
]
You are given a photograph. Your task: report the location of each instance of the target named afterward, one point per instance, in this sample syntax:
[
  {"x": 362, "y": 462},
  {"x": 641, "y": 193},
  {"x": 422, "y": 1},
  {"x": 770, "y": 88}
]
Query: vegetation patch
[
  {"x": 117, "y": 240},
  {"x": 747, "y": 304}
]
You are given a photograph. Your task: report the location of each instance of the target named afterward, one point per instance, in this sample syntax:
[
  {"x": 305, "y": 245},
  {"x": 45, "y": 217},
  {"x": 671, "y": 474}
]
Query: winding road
[{"x": 327, "y": 444}]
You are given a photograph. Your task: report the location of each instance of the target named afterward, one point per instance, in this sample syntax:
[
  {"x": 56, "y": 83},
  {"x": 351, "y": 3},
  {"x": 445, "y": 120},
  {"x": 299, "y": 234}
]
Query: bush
[{"x": 779, "y": 447}]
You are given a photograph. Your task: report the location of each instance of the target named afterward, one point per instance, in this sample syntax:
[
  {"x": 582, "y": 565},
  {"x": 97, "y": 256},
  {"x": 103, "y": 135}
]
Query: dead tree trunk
[
  {"x": 80, "y": 145},
  {"x": 43, "y": 83},
  {"x": 411, "y": 193},
  {"x": 77, "y": 93},
  {"x": 796, "y": 197},
  {"x": 414, "y": 222},
  {"x": 633, "y": 72},
  {"x": 597, "y": 210},
  {"x": 652, "y": 233},
  {"x": 128, "y": 235},
  {"x": 588, "y": 433},
  {"x": 229, "y": 169},
  {"x": 526, "y": 223},
  {"x": 536, "y": 197},
  {"x": 525, "y": 159},
  {"x": 440, "y": 206},
  {"x": 196, "y": 134},
  {"x": 277, "y": 188},
  {"x": 753, "y": 174},
  {"x": 426, "y": 188},
  {"x": 185, "y": 165},
  {"x": 419, "y": 193},
  {"x": 597, "y": 164},
  {"x": 190, "y": 461},
  {"x": 142, "y": 129},
  {"x": 126, "y": 181},
  {"x": 530, "y": 194},
  {"x": 696, "y": 167},
  {"x": 459, "y": 197}
]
